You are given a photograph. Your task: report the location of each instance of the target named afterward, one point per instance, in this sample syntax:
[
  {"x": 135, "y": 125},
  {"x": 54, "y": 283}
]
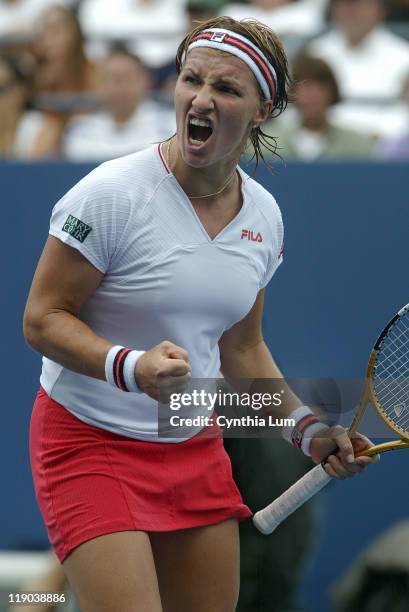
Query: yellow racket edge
[{"x": 383, "y": 448}]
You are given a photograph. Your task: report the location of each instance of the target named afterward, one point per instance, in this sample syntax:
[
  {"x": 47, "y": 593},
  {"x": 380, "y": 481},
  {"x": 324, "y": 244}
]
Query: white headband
[{"x": 242, "y": 47}]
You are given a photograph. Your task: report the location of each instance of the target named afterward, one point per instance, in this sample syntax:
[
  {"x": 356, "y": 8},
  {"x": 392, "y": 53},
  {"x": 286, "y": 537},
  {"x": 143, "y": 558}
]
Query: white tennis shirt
[{"x": 164, "y": 278}]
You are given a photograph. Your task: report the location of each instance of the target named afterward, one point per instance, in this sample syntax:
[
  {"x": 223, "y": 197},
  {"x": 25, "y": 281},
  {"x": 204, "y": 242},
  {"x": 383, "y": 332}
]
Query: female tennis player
[{"x": 153, "y": 273}]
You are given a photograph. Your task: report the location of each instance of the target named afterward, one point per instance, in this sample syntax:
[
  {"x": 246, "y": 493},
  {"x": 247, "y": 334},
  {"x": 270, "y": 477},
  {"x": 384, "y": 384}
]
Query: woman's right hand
[{"x": 163, "y": 370}]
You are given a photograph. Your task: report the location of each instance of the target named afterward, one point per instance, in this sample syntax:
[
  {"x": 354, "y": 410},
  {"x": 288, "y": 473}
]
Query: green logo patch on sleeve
[{"x": 76, "y": 228}]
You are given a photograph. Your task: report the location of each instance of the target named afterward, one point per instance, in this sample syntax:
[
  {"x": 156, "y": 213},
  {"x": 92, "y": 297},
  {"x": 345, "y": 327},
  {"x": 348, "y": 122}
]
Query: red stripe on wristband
[
  {"x": 119, "y": 368},
  {"x": 298, "y": 431}
]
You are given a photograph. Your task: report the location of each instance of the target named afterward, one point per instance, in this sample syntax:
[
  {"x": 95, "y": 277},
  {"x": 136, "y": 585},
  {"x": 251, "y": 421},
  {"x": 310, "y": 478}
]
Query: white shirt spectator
[
  {"x": 99, "y": 137},
  {"x": 375, "y": 68},
  {"x": 152, "y": 29},
  {"x": 303, "y": 18},
  {"x": 28, "y": 129},
  {"x": 18, "y": 18},
  {"x": 370, "y": 77}
]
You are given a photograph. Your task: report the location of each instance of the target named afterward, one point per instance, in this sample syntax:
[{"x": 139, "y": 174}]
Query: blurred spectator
[
  {"x": 311, "y": 135},
  {"x": 151, "y": 28},
  {"x": 130, "y": 120},
  {"x": 202, "y": 10},
  {"x": 59, "y": 46},
  {"x": 17, "y": 17},
  {"x": 196, "y": 11},
  {"x": 51, "y": 580},
  {"x": 378, "y": 581},
  {"x": 398, "y": 148},
  {"x": 370, "y": 63},
  {"x": 18, "y": 126},
  {"x": 271, "y": 568},
  {"x": 289, "y": 18},
  {"x": 399, "y": 11},
  {"x": 65, "y": 78}
]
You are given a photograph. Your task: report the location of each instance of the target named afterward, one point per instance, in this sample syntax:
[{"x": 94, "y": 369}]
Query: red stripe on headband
[
  {"x": 258, "y": 59},
  {"x": 235, "y": 42}
]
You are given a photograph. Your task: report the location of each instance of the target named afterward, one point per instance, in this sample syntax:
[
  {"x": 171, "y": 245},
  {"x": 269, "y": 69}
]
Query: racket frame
[{"x": 372, "y": 397}]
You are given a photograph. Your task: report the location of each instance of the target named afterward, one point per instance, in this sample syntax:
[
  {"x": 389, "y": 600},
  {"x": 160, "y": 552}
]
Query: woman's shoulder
[
  {"x": 261, "y": 197},
  {"x": 263, "y": 208},
  {"x": 136, "y": 174},
  {"x": 118, "y": 187}
]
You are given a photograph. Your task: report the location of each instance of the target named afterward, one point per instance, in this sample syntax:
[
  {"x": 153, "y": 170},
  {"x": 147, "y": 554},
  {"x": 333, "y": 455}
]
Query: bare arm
[
  {"x": 63, "y": 281},
  {"x": 244, "y": 355}
]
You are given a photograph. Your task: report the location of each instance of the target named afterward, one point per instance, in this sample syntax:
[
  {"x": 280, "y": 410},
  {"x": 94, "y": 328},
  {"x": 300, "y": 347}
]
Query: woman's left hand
[{"x": 342, "y": 463}]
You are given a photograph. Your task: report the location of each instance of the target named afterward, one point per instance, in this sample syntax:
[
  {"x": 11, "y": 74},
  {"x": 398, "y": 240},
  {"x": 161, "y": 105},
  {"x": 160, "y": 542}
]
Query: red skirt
[{"x": 90, "y": 482}]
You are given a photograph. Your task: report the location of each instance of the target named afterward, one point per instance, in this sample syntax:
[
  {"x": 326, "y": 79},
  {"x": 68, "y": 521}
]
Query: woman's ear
[{"x": 265, "y": 110}]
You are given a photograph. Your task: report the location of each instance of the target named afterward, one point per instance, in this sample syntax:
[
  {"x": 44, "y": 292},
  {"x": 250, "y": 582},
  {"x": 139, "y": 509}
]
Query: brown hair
[
  {"x": 307, "y": 68},
  {"x": 269, "y": 43},
  {"x": 78, "y": 65}
]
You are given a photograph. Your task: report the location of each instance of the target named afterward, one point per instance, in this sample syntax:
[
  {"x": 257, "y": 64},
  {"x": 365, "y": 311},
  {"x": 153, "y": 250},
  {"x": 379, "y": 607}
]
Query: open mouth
[{"x": 200, "y": 130}]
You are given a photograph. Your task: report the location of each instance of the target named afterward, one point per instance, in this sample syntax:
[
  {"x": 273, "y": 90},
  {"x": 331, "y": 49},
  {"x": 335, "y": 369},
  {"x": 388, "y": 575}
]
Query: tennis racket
[{"x": 386, "y": 388}]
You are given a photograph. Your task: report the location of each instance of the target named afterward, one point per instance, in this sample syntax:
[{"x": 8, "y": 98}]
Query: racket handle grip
[{"x": 267, "y": 519}]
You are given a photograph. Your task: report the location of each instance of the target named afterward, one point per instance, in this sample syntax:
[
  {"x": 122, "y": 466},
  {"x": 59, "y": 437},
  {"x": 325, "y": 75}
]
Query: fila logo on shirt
[{"x": 250, "y": 235}]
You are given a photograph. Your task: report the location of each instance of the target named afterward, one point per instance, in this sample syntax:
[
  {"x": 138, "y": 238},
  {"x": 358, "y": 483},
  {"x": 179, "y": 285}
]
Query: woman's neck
[{"x": 201, "y": 183}]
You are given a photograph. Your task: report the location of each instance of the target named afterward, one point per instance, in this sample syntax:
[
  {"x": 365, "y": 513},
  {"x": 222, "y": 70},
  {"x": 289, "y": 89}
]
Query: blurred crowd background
[{"x": 89, "y": 80}]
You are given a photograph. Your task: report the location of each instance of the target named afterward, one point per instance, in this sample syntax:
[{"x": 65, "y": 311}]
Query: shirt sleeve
[
  {"x": 92, "y": 218},
  {"x": 277, "y": 251}
]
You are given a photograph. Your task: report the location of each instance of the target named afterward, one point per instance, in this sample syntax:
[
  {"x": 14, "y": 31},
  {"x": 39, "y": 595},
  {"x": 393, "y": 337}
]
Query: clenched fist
[{"x": 163, "y": 370}]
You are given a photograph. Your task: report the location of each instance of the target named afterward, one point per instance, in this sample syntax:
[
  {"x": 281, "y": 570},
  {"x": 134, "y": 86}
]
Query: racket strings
[
  {"x": 395, "y": 346},
  {"x": 395, "y": 406},
  {"x": 391, "y": 373}
]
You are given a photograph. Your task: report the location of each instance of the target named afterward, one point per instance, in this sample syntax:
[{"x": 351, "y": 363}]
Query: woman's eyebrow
[
  {"x": 228, "y": 80},
  {"x": 222, "y": 79},
  {"x": 192, "y": 70}
]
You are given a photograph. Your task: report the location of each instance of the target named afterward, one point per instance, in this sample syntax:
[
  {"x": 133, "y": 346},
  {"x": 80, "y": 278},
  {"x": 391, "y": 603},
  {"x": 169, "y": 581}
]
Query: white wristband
[
  {"x": 109, "y": 364},
  {"x": 297, "y": 414},
  {"x": 129, "y": 371},
  {"x": 308, "y": 435},
  {"x": 120, "y": 368}
]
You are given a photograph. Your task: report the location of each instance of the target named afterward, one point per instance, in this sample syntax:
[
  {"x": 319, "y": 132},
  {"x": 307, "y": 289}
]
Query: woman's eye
[
  {"x": 228, "y": 89},
  {"x": 190, "y": 79}
]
